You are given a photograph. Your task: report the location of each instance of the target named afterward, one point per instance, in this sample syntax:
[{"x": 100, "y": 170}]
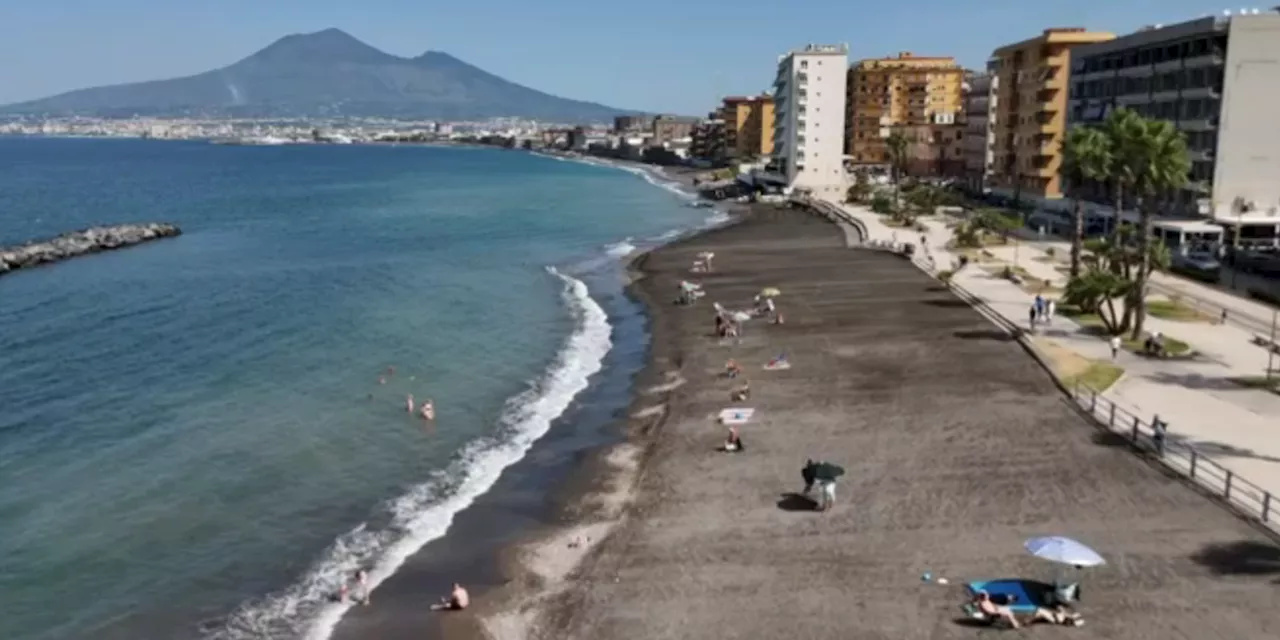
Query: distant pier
[{"x": 79, "y": 243}]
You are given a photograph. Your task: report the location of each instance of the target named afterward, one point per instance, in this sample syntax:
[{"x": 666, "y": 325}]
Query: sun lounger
[{"x": 736, "y": 416}]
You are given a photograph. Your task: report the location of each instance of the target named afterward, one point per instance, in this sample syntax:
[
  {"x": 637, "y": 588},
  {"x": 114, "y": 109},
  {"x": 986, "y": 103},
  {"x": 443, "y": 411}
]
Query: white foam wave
[
  {"x": 620, "y": 249},
  {"x": 716, "y": 219},
  {"x": 426, "y": 510},
  {"x": 652, "y": 175}
]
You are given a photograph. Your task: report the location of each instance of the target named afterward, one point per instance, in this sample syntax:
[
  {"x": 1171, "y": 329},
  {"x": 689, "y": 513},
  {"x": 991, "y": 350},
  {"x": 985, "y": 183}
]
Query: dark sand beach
[{"x": 958, "y": 447}]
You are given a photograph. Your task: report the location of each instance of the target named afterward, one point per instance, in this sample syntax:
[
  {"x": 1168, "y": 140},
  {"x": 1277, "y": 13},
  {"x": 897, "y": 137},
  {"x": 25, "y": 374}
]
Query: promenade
[
  {"x": 1237, "y": 426},
  {"x": 957, "y": 445}
]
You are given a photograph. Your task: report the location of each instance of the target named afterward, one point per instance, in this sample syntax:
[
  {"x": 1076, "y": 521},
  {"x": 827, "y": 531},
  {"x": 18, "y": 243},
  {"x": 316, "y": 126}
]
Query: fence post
[
  {"x": 1226, "y": 491},
  {"x": 1112, "y": 423},
  {"x": 1194, "y": 457},
  {"x": 1158, "y": 430},
  {"x": 1266, "y": 506},
  {"x": 1093, "y": 401},
  {"x": 1134, "y": 435}
]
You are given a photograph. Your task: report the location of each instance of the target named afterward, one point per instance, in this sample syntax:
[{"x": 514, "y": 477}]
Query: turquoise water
[{"x": 194, "y": 439}]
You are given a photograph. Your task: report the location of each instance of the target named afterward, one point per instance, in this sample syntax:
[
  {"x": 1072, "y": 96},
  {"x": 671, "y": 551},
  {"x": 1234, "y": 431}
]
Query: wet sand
[{"x": 958, "y": 447}]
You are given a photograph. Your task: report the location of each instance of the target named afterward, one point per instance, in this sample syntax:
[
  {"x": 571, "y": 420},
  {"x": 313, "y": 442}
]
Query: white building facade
[{"x": 808, "y": 128}]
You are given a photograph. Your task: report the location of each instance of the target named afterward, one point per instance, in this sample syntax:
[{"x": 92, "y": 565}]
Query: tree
[
  {"x": 880, "y": 204},
  {"x": 861, "y": 189},
  {"x": 1165, "y": 163},
  {"x": 1124, "y": 130},
  {"x": 896, "y": 144},
  {"x": 924, "y": 200},
  {"x": 1085, "y": 157}
]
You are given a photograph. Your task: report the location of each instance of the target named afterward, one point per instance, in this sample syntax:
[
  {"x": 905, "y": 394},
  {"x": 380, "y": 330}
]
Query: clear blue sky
[{"x": 656, "y": 55}]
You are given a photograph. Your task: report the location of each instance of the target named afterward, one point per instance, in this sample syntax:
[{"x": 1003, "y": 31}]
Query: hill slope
[{"x": 327, "y": 73}]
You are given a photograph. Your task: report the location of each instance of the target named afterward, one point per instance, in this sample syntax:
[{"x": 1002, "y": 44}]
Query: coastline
[
  {"x": 593, "y": 503},
  {"x": 582, "y": 450}
]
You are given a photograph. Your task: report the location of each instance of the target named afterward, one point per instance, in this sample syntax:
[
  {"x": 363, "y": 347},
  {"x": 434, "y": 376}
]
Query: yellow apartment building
[
  {"x": 748, "y": 126},
  {"x": 1031, "y": 112},
  {"x": 906, "y": 90}
]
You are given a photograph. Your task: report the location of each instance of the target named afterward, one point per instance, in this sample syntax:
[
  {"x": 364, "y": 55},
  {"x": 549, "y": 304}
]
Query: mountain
[{"x": 328, "y": 73}]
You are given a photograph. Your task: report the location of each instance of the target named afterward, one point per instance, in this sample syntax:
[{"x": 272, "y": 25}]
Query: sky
[{"x": 676, "y": 56}]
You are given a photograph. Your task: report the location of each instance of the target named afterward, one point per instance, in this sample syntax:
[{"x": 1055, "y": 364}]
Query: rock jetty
[{"x": 79, "y": 243}]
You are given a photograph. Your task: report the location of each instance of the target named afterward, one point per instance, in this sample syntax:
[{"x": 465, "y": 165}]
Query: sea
[{"x": 203, "y": 437}]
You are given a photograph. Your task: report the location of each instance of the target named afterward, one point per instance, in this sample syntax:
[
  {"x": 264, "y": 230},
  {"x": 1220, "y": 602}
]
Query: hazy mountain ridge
[{"x": 328, "y": 73}]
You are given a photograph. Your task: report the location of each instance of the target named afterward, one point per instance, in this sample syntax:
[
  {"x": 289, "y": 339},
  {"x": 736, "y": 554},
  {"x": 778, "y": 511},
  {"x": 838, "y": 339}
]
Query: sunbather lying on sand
[
  {"x": 995, "y": 611},
  {"x": 732, "y": 369},
  {"x": 741, "y": 393}
]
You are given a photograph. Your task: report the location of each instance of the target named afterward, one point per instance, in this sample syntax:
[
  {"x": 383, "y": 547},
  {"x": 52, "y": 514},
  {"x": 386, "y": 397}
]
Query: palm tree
[
  {"x": 1085, "y": 157},
  {"x": 1124, "y": 130},
  {"x": 897, "y": 146},
  {"x": 1165, "y": 163}
]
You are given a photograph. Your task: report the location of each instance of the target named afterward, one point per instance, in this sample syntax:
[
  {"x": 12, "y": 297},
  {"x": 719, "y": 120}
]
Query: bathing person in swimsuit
[
  {"x": 362, "y": 584},
  {"x": 995, "y": 611},
  {"x": 408, "y": 403},
  {"x": 457, "y": 600},
  {"x": 428, "y": 410}
]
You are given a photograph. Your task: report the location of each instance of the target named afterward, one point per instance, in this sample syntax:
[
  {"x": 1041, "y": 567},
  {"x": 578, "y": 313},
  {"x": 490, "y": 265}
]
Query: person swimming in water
[
  {"x": 428, "y": 410},
  {"x": 408, "y": 403}
]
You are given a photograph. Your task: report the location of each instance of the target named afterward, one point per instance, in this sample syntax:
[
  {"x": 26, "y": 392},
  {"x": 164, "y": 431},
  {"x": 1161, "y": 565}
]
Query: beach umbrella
[
  {"x": 741, "y": 316},
  {"x": 1063, "y": 551},
  {"x": 770, "y": 292},
  {"x": 827, "y": 471},
  {"x": 706, "y": 255}
]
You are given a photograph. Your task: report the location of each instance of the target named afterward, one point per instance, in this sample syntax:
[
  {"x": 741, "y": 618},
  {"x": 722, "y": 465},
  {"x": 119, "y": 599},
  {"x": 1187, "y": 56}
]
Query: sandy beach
[{"x": 958, "y": 446}]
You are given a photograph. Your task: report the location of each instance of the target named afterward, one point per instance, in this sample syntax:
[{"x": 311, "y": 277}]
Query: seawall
[{"x": 80, "y": 243}]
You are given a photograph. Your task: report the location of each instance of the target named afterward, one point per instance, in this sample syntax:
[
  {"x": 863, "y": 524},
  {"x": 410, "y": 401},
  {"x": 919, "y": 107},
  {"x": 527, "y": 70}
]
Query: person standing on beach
[{"x": 362, "y": 586}]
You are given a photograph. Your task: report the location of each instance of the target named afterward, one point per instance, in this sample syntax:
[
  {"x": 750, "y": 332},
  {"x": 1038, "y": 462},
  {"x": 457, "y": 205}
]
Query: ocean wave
[
  {"x": 307, "y": 609},
  {"x": 620, "y": 249}
]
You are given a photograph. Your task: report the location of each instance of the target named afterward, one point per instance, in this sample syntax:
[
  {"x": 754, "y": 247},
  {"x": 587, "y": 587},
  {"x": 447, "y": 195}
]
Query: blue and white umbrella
[{"x": 1064, "y": 551}]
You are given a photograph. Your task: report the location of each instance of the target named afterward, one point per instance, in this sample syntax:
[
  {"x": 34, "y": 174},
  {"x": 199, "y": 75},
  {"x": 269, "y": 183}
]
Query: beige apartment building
[
  {"x": 1031, "y": 113},
  {"x": 748, "y": 126},
  {"x": 906, "y": 92}
]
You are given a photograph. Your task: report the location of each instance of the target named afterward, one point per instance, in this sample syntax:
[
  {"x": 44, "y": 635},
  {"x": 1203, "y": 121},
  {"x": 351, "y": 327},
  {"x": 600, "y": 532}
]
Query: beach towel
[
  {"x": 736, "y": 416},
  {"x": 777, "y": 365}
]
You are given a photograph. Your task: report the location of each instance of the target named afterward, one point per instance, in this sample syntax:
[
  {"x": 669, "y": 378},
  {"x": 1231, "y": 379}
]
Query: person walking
[
  {"x": 1115, "y": 346},
  {"x": 1031, "y": 317},
  {"x": 828, "y": 487},
  {"x": 1050, "y": 308}
]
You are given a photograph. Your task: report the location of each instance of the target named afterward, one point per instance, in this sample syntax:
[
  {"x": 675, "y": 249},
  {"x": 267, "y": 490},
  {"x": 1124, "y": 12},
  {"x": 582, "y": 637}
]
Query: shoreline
[{"x": 592, "y": 504}]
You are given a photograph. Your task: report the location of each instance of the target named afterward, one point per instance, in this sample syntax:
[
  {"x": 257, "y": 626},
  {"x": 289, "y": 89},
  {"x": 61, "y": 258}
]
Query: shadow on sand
[
  {"x": 1240, "y": 558},
  {"x": 954, "y": 303},
  {"x": 985, "y": 334},
  {"x": 797, "y": 502}
]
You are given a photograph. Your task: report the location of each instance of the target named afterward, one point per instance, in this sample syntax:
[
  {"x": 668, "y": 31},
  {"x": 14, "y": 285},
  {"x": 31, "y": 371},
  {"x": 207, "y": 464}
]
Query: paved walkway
[{"x": 1238, "y": 427}]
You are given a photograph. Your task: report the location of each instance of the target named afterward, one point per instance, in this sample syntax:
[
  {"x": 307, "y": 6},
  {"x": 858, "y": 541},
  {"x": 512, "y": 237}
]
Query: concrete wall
[{"x": 1248, "y": 156}]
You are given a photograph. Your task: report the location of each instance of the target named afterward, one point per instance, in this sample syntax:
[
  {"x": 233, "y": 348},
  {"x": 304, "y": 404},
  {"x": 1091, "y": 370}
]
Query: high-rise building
[
  {"x": 708, "y": 139},
  {"x": 808, "y": 131},
  {"x": 906, "y": 92},
  {"x": 748, "y": 126},
  {"x": 979, "y": 121},
  {"x": 1031, "y": 105},
  {"x": 1218, "y": 80}
]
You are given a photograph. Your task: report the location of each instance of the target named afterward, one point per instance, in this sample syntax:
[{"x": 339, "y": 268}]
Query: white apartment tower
[{"x": 808, "y": 127}]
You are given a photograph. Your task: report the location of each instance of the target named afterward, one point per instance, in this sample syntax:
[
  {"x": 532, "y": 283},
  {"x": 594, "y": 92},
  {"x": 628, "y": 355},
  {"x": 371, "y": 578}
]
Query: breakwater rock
[{"x": 79, "y": 243}]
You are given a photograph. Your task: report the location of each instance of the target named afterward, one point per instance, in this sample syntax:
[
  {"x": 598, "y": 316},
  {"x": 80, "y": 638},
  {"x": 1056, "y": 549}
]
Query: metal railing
[
  {"x": 1214, "y": 311},
  {"x": 1152, "y": 438},
  {"x": 1144, "y": 437}
]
